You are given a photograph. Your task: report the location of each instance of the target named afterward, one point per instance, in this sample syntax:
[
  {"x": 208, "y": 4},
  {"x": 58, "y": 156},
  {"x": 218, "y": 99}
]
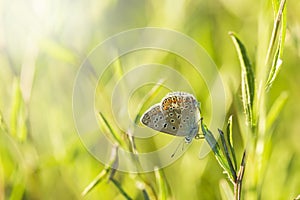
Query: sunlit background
[{"x": 42, "y": 45}]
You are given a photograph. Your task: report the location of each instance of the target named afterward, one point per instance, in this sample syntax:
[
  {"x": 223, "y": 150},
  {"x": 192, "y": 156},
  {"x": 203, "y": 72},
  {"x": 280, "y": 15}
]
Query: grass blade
[
  {"x": 162, "y": 185},
  {"x": 115, "y": 135},
  {"x": 18, "y": 128},
  {"x": 274, "y": 70},
  {"x": 248, "y": 84},
  {"x": 120, "y": 188},
  {"x": 150, "y": 95},
  {"x": 101, "y": 176},
  {"x": 109, "y": 170}
]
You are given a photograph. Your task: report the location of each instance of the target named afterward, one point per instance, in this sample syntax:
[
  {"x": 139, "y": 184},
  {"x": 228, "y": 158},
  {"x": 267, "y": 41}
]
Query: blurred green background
[{"x": 43, "y": 43}]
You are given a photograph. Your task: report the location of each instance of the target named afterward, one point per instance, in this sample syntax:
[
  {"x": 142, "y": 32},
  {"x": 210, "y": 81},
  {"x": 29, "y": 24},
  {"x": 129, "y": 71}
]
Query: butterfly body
[{"x": 177, "y": 114}]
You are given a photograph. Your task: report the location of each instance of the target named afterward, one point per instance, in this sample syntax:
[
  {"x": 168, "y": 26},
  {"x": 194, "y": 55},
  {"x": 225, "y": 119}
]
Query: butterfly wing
[
  {"x": 182, "y": 109},
  {"x": 154, "y": 118},
  {"x": 178, "y": 114}
]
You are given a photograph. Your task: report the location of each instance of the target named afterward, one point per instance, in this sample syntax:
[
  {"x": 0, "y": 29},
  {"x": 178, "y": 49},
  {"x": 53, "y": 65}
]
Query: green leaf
[
  {"x": 209, "y": 137},
  {"x": 101, "y": 176},
  {"x": 230, "y": 141},
  {"x": 276, "y": 109},
  {"x": 225, "y": 190},
  {"x": 108, "y": 171},
  {"x": 19, "y": 186},
  {"x": 162, "y": 184},
  {"x": 115, "y": 135},
  {"x": 18, "y": 126},
  {"x": 120, "y": 188},
  {"x": 228, "y": 159},
  {"x": 279, "y": 7},
  {"x": 274, "y": 70},
  {"x": 276, "y": 44},
  {"x": 248, "y": 84}
]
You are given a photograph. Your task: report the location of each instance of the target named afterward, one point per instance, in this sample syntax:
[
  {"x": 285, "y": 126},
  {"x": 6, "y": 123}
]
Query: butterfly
[{"x": 177, "y": 114}]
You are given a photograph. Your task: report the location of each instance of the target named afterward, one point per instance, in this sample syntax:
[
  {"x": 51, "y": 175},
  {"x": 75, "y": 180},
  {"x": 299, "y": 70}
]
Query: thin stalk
[
  {"x": 239, "y": 180},
  {"x": 118, "y": 185}
]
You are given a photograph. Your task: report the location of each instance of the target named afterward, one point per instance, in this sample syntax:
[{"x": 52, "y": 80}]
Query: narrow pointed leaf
[
  {"x": 230, "y": 141},
  {"x": 276, "y": 44},
  {"x": 209, "y": 137},
  {"x": 248, "y": 84},
  {"x": 276, "y": 109},
  {"x": 223, "y": 141},
  {"x": 115, "y": 135}
]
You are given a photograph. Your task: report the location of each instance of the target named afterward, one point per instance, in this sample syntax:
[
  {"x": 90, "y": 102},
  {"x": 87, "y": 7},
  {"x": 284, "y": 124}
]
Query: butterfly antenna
[{"x": 181, "y": 142}]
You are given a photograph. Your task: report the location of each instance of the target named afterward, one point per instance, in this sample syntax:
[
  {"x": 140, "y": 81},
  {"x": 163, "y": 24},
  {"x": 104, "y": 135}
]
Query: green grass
[{"x": 42, "y": 47}]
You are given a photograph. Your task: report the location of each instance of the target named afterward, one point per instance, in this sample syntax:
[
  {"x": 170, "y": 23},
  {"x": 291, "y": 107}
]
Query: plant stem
[
  {"x": 239, "y": 180},
  {"x": 118, "y": 185}
]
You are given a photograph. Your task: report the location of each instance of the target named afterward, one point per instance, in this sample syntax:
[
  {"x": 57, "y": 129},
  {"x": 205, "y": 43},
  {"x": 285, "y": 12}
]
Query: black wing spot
[
  {"x": 174, "y": 128},
  {"x": 165, "y": 125}
]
